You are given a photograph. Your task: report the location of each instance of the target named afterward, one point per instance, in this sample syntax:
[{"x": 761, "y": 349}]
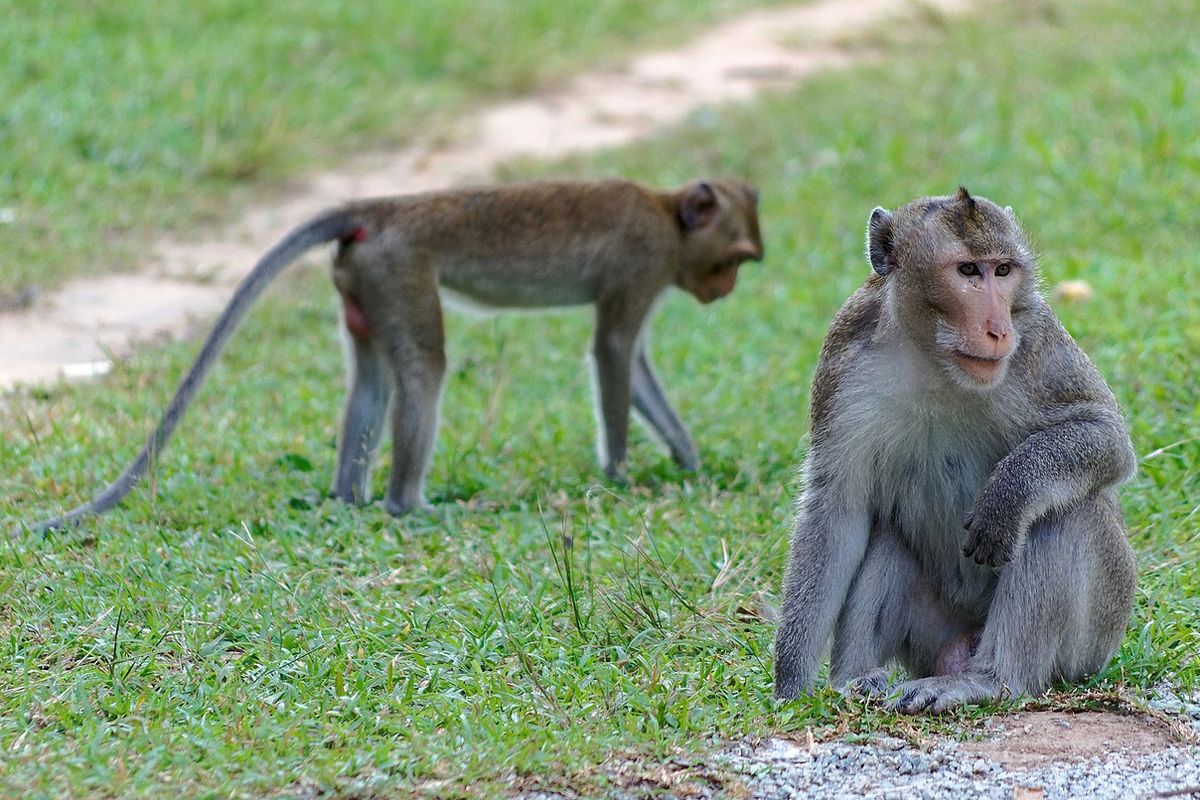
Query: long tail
[{"x": 331, "y": 226}]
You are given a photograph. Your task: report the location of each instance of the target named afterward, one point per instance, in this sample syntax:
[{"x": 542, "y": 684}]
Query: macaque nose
[
  {"x": 999, "y": 335},
  {"x": 747, "y": 250}
]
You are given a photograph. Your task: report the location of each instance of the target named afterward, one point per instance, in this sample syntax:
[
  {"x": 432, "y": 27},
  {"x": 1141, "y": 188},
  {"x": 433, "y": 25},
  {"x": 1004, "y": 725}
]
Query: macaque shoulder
[
  {"x": 1058, "y": 375},
  {"x": 850, "y": 334}
]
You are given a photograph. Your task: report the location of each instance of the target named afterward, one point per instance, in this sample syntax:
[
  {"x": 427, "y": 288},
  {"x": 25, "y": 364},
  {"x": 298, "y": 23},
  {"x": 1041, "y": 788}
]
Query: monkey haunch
[
  {"x": 613, "y": 244},
  {"x": 958, "y": 512}
]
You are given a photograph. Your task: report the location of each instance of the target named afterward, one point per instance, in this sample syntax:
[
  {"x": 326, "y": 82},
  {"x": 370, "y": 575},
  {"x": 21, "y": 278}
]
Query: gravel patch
[
  {"x": 891, "y": 768},
  {"x": 1184, "y": 707}
]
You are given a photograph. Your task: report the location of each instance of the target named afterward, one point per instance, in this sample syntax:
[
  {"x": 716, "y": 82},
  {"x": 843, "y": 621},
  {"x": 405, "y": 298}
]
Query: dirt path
[{"x": 76, "y": 331}]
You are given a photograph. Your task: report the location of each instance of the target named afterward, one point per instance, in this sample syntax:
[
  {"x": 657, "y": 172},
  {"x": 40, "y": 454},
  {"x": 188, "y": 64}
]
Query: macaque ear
[
  {"x": 698, "y": 206},
  {"x": 880, "y": 246}
]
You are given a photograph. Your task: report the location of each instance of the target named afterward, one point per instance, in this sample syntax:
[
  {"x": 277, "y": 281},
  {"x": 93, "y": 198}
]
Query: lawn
[
  {"x": 122, "y": 118},
  {"x": 228, "y": 632}
]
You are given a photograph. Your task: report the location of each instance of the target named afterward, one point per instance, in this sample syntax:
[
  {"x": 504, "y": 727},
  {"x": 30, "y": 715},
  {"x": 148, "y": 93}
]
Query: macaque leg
[
  {"x": 651, "y": 403},
  {"x": 827, "y": 550},
  {"x": 418, "y": 360},
  {"x": 873, "y": 620},
  {"x": 362, "y": 423},
  {"x": 617, "y": 326},
  {"x": 1059, "y": 611},
  {"x": 890, "y": 612}
]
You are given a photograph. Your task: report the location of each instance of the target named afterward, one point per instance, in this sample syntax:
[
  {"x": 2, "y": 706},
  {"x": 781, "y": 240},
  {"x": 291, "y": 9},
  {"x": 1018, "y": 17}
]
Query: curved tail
[{"x": 330, "y": 226}]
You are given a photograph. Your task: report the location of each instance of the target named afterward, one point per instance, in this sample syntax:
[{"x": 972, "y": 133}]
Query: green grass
[
  {"x": 226, "y": 632},
  {"x": 122, "y": 118}
]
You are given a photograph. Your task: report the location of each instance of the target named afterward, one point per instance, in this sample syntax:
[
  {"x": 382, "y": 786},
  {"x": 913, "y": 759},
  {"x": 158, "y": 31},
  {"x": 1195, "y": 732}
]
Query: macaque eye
[
  {"x": 968, "y": 269},
  {"x": 1003, "y": 270}
]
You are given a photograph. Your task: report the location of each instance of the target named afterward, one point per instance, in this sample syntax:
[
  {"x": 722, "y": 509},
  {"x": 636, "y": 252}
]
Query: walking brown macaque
[
  {"x": 958, "y": 512},
  {"x": 613, "y": 244}
]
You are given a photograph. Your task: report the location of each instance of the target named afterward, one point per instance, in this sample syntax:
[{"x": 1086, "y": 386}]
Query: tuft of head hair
[{"x": 963, "y": 197}]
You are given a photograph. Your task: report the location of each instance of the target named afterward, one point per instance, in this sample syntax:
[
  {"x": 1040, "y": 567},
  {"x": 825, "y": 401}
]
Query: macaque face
[
  {"x": 958, "y": 270},
  {"x": 721, "y": 219},
  {"x": 977, "y": 333}
]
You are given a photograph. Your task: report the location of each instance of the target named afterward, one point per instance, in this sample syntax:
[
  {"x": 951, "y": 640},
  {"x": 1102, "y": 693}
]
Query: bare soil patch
[
  {"x": 1036, "y": 738},
  {"x": 78, "y": 330}
]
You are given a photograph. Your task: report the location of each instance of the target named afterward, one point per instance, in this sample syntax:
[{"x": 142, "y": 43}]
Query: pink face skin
[{"x": 981, "y": 292}]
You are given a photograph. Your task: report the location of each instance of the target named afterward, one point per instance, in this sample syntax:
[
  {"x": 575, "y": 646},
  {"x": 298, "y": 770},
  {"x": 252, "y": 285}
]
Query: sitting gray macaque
[{"x": 958, "y": 512}]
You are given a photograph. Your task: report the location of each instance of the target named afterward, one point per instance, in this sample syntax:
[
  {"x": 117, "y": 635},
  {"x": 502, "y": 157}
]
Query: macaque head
[
  {"x": 958, "y": 273},
  {"x": 719, "y": 219}
]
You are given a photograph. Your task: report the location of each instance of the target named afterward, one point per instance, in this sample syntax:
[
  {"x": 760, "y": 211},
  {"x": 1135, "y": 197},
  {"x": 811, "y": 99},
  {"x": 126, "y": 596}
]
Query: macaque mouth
[
  {"x": 982, "y": 368},
  {"x": 719, "y": 282},
  {"x": 982, "y": 360}
]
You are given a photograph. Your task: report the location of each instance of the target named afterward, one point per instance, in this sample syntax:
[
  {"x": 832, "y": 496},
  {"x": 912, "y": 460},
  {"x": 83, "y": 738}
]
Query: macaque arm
[
  {"x": 828, "y": 544},
  {"x": 651, "y": 403},
  {"x": 1047, "y": 472}
]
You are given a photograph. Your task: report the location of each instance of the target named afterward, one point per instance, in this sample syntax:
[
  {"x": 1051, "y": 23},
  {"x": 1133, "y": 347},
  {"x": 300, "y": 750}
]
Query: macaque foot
[
  {"x": 618, "y": 473},
  {"x": 399, "y": 508},
  {"x": 688, "y": 461},
  {"x": 876, "y": 682},
  {"x": 942, "y": 692}
]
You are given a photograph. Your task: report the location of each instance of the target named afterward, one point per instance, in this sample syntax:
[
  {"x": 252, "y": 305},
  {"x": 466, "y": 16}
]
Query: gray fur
[
  {"x": 367, "y": 403},
  {"x": 906, "y": 452}
]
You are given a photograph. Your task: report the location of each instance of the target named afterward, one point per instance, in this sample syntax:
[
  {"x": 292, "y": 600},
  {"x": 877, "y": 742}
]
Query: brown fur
[{"x": 615, "y": 244}]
